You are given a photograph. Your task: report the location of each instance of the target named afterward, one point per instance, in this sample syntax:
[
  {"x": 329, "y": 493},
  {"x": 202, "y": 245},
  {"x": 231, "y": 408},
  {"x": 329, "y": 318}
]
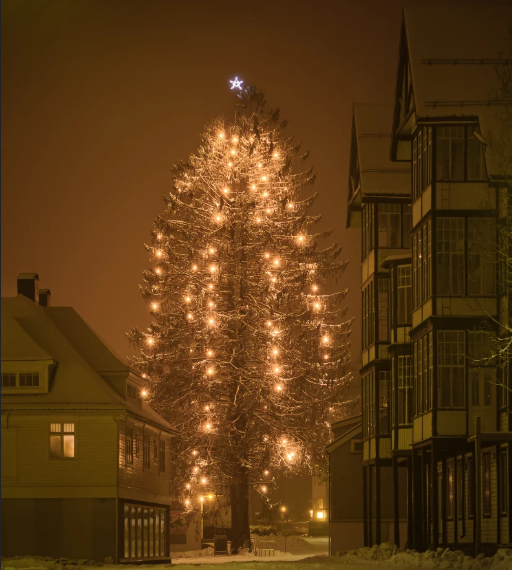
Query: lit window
[
  {"x": 128, "y": 444},
  {"x": 62, "y": 440}
]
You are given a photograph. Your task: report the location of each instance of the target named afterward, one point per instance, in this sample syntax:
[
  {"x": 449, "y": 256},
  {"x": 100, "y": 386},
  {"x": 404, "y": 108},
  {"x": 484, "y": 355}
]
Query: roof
[
  {"x": 345, "y": 437},
  {"x": 379, "y": 175},
  {"x": 60, "y": 335},
  {"x": 372, "y": 173},
  {"x": 390, "y": 259},
  {"x": 453, "y": 53}
]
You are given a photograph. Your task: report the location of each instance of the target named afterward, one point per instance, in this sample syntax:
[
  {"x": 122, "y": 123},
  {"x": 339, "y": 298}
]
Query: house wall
[
  {"x": 30, "y": 472},
  {"x": 137, "y": 482},
  {"x": 71, "y": 528}
]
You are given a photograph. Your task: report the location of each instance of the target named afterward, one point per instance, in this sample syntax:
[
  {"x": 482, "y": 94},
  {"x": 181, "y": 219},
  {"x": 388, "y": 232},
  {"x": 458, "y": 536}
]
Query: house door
[{"x": 482, "y": 398}]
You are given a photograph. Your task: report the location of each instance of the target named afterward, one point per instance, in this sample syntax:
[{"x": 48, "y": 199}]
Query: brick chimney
[
  {"x": 28, "y": 285},
  {"x": 44, "y": 297}
]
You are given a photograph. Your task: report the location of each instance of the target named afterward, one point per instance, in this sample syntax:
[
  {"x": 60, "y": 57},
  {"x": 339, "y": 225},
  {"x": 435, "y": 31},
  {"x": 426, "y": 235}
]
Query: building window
[
  {"x": 476, "y": 157},
  {"x": 450, "y": 360},
  {"x": 404, "y": 390},
  {"x": 451, "y": 484},
  {"x": 503, "y": 482},
  {"x": 367, "y": 226},
  {"x": 144, "y": 532},
  {"x": 482, "y": 376},
  {"x": 481, "y": 256},
  {"x": 147, "y": 451},
  {"x": 457, "y": 146},
  {"x": 162, "y": 455},
  {"x": 383, "y": 308},
  {"x": 128, "y": 444},
  {"x": 460, "y": 489},
  {"x": 450, "y": 153},
  {"x": 389, "y": 225},
  {"x": 471, "y": 487},
  {"x": 406, "y": 226},
  {"x": 450, "y": 256},
  {"x": 368, "y": 382},
  {"x": 384, "y": 378},
  {"x": 368, "y": 315},
  {"x": 62, "y": 440},
  {"x": 20, "y": 380},
  {"x": 404, "y": 294},
  {"x": 356, "y": 446},
  {"x": 137, "y": 447},
  {"x": 423, "y": 363},
  {"x": 422, "y": 264},
  {"x": 8, "y": 379},
  {"x": 422, "y": 161},
  {"x": 486, "y": 475},
  {"x": 133, "y": 394}
]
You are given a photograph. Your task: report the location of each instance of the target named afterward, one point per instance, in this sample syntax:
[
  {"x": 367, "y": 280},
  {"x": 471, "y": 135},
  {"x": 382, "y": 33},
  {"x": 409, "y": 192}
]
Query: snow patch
[{"x": 442, "y": 558}]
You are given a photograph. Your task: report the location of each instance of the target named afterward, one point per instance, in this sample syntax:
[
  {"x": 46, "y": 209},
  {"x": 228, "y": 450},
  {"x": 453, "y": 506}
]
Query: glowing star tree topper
[
  {"x": 236, "y": 83},
  {"x": 241, "y": 309}
]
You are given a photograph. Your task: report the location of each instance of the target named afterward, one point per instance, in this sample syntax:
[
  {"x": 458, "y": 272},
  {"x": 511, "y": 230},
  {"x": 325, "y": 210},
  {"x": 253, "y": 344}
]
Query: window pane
[
  {"x": 55, "y": 446},
  {"x": 157, "y": 532},
  {"x": 146, "y": 531},
  {"x": 55, "y": 427},
  {"x": 126, "y": 531},
  {"x": 151, "y": 531},
  {"x": 133, "y": 537},
  {"x": 162, "y": 533},
  {"x": 389, "y": 225},
  {"x": 69, "y": 445},
  {"x": 139, "y": 531},
  {"x": 69, "y": 428},
  {"x": 476, "y": 158}
]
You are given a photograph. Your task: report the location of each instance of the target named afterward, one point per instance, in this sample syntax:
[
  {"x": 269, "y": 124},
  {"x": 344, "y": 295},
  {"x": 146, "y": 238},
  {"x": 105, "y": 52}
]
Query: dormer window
[
  {"x": 20, "y": 380},
  {"x": 133, "y": 393}
]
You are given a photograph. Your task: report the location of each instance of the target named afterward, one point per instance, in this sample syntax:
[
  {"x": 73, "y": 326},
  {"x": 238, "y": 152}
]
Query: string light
[
  {"x": 253, "y": 186},
  {"x": 150, "y": 340},
  {"x": 201, "y": 499},
  {"x": 159, "y": 253},
  {"x": 210, "y": 353},
  {"x": 233, "y": 152},
  {"x": 276, "y": 261},
  {"x": 158, "y": 271},
  {"x": 210, "y": 286},
  {"x": 187, "y": 299},
  {"x": 159, "y": 237},
  {"x": 210, "y": 497},
  {"x": 258, "y": 220},
  {"x": 196, "y": 470},
  {"x": 259, "y": 165},
  {"x": 213, "y": 269},
  {"x": 210, "y": 371},
  {"x": 265, "y": 194},
  {"x": 211, "y": 304},
  {"x": 221, "y": 135},
  {"x": 218, "y": 218},
  {"x": 264, "y": 178},
  {"x": 190, "y": 316},
  {"x": 204, "y": 481},
  {"x": 326, "y": 356},
  {"x": 208, "y": 426},
  {"x": 318, "y": 306},
  {"x": 194, "y": 452},
  {"x": 264, "y": 489},
  {"x": 212, "y": 250},
  {"x": 188, "y": 485},
  {"x": 290, "y": 205},
  {"x": 211, "y": 321},
  {"x": 144, "y": 393},
  {"x": 266, "y": 472},
  {"x": 325, "y": 340},
  {"x": 155, "y": 306},
  {"x": 279, "y": 388},
  {"x": 235, "y": 139},
  {"x": 194, "y": 267},
  {"x": 315, "y": 287},
  {"x": 275, "y": 351},
  {"x": 187, "y": 502},
  {"x": 230, "y": 164},
  {"x": 275, "y": 155}
]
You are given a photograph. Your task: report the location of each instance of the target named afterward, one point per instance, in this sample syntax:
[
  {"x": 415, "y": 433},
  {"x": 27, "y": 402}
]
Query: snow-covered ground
[{"x": 381, "y": 556}]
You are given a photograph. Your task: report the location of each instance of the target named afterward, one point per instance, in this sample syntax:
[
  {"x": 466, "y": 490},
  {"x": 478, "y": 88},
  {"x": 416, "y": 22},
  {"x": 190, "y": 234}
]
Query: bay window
[
  {"x": 451, "y": 369},
  {"x": 404, "y": 390},
  {"x": 423, "y": 373},
  {"x": 404, "y": 294},
  {"x": 422, "y": 264},
  {"x": 481, "y": 256},
  {"x": 421, "y": 161},
  {"x": 389, "y": 225},
  {"x": 368, "y": 309},
  {"x": 459, "y": 154},
  {"x": 450, "y": 256},
  {"x": 383, "y": 309},
  {"x": 367, "y": 227}
]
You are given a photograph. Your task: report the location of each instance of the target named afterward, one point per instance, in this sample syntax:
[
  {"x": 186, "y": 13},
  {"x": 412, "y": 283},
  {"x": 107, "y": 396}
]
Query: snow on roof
[
  {"x": 17, "y": 344},
  {"x": 379, "y": 175},
  {"x": 90, "y": 345},
  {"x": 32, "y": 332},
  {"x": 453, "y": 53}
]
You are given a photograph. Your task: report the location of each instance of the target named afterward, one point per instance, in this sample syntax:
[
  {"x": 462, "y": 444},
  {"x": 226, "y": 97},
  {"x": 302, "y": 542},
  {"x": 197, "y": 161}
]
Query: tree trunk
[{"x": 239, "y": 495}]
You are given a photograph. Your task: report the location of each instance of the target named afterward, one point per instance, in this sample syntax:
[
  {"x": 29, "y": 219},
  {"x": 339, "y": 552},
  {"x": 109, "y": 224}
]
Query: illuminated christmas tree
[{"x": 247, "y": 351}]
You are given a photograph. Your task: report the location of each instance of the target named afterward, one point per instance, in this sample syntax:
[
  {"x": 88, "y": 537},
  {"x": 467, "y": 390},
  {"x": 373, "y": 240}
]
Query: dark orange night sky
[{"x": 101, "y": 97}]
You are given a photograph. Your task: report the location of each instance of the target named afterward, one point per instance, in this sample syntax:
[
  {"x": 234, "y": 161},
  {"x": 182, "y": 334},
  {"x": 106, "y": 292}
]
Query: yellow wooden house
[{"x": 85, "y": 460}]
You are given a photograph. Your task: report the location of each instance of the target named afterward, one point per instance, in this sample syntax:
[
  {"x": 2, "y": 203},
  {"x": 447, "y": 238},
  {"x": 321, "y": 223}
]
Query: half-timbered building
[{"x": 427, "y": 357}]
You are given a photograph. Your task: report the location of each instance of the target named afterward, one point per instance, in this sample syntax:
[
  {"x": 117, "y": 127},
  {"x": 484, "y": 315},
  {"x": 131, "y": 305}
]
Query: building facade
[
  {"x": 436, "y": 405},
  {"x": 85, "y": 460}
]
